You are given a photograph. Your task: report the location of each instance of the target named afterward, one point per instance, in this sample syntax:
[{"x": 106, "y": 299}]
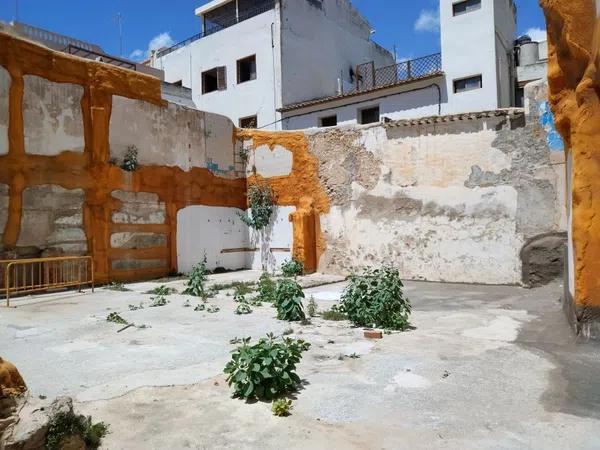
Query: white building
[
  {"x": 475, "y": 72},
  {"x": 252, "y": 57},
  {"x": 532, "y": 64}
]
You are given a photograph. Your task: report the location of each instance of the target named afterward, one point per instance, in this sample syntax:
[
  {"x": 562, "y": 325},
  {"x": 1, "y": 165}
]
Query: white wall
[
  {"x": 211, "y": 229},
  {"x": 469, "y": 49},
  {"x": 275, "y": 244},
  {"x": 395, "y": 104},
  {"x": 506, "y": 30},
  {"x": 225, "y": 48},
  {"x": 318, "y": 45}
]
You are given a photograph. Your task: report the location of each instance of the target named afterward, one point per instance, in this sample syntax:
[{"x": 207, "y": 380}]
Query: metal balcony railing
[
  {"x": 223, "y": 24},
  {"x": 368, "y": 77}
]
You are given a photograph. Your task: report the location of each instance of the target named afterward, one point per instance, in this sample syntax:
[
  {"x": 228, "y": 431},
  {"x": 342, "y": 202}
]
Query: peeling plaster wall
[
  {"x": 52, "y": 117},
  {"x": 4, "y": 87},
  {"x": 451, "y": 201},
  {"x": 4, "y": 200},
  {"x": 52, "y": 222}
]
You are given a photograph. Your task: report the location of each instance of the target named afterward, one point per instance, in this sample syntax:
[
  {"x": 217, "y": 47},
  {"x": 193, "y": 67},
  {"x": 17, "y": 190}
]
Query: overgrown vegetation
[
  {"x": 157, "y": 301},
  {"x": 196, "y": 282},
  {"x": 136, "y": 308},
  {"x": 288, "y": 300},
  {"x": 115, "y": 317},
  {"x": 281, "y": 407},
  {"x": 267, "y": 369},
  {"x": 115, "y": 286},
  {"x": 68, "y": 424},
  {"x": 334, "y": 314},
  {"x": 162, "y": 290},
  {"x": 312, "y": 307},
  {"x": 243, "y": 288},
  {"x": 376, "y": 299},
  {"x": 262, "y": 206},
  {"x": 266, "y": 288},
  {"x": 130, "y": 160},
  {"x": 292, "y": 268}
]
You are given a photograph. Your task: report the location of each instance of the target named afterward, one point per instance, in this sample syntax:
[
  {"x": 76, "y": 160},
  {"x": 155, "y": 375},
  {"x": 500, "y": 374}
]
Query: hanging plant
[
  {"x": 261, "y": 203},
  {"x": 130, "y": 160}
]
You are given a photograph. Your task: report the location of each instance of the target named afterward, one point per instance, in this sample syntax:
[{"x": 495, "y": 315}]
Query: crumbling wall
[
  {"x": 62, "y": 190},
  {"x": 573, "y": 38}
]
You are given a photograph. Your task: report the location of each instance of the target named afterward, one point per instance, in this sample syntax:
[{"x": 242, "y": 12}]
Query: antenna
[{"x": 119, "y": 20}]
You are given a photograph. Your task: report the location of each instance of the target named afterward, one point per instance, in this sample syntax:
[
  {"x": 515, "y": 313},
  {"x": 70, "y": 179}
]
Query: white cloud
[
  {"x": 428, "y": 20},
  {"x": 537, "y": 34},
  {"x": 156, "y": 43}
]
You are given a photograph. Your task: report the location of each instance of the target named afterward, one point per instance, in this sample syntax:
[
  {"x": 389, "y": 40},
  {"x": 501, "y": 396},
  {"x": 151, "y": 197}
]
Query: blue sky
[{"x": 408, "y": 24}]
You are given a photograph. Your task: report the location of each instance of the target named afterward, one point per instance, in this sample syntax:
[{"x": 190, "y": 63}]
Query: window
[
  {"x": 468, "y": 84},
  {"x": 329, "y": 121},
  {"x": 214, "y": 80},
  {"x": 369, "y": 115},
  {"x": 465, "y": 6},
  {"x": 249, "y": 122},
  {"x": 246, "y": 69}
]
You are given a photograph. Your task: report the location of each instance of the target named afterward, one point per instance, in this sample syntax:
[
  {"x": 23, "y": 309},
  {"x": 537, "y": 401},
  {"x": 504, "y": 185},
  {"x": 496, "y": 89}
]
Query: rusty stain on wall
[
  {"x": 574, "y": 43},
  {"x": 91, "y": 170},
  {"x": 302, "y": 189}
]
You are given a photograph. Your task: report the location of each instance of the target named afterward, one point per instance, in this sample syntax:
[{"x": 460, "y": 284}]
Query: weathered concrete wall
[
  {"x": 573, "y": 30},
  {"x": 52, "y": 116},
  {"x": 60, "y": 191},
  {"x": 4, "y": 87}
]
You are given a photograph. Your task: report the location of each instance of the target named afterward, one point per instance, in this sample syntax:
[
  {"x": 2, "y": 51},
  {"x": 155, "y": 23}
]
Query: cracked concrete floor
[{"x": 486, "y": 367}]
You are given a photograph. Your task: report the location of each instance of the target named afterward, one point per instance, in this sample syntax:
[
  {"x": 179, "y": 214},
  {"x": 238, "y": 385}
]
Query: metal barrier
[{"x": 22, "y": 276}]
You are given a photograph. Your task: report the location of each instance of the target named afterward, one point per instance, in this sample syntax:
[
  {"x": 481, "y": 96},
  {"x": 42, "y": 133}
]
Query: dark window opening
[
  {"x": 465, "y": 6},
  {"x": 468, "y": 84},
  {"x": 329, "y": 121},
  {"x": 246, "y": 69},
  {"x": 214, "y": 80},
  {"x": 249, "y": 122},
  {"x": 369, "y": 115}
]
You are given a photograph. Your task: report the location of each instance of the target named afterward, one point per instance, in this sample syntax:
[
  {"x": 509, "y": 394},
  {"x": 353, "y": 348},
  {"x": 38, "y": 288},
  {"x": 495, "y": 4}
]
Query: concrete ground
[{"x": 486, "y": 367}]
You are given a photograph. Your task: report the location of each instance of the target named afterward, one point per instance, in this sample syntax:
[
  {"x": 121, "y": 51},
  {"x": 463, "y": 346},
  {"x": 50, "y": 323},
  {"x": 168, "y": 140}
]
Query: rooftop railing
[
  {"x": 216, "y": 27},
  {"x": 368, "y": 77}
]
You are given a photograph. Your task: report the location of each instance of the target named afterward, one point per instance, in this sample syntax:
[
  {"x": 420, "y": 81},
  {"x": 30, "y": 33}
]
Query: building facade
[{"x": 252, "y": 57}]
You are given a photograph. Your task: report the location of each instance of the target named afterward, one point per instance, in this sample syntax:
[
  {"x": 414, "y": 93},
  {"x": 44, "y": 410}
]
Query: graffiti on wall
[{"x": 553, "y": 138}]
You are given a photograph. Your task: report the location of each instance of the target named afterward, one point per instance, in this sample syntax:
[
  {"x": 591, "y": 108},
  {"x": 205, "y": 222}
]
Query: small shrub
[
  {"x": 136, "y": 308},
  {"x": 312, "y": 307},
  {"x": 262, "y": 205},
  {"x": 200, "y": 307},
  {"x": 195, "y": 284},
  {"x": 266, "y": 288},
  {"x": 242, "y": 288},
  {"x": 116, "y": 318},
  {"x": 118, "y": 287},
  {"x": 213, "y": 309},
  {"x": 130, "y": 160},
  {"x": 267, "y": 369},
  {"x": 239, "y": 298},
  {"x": 157, "y": 301},
  {"x": 162, "y": 290},
  {"x": 67, "y": 424},
  {"x": 334, "y": 314},
  {"x": 243, "y": 308},
  {"x": 375, "y": 299},
  {"x": 288, "y": 300},
  {"x": 292, "y": 268},
  {"x": 281, "y": 407},
  {"x": 255, "y": 301}
]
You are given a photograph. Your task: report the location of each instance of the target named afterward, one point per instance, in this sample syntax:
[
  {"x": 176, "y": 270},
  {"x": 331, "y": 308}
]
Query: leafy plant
[
  {"x": 116, "y": 318},
  {"x": 376, "y": 299},
  {"x": 136, "y": 308},
  {"x": 292, "y": 268},
  {"x": 239, "y": 298},
  {"x": 288, "y": 300},
  {"x": 243, "y": 308},
  {"x": 115, "y": 286},
  {"x": 195, "y": 284},
  {"x": 130, "y": 160},
  {"x": 312, "y": 307},
  {"x": 162, "y": 290},
  {"x": 67, "y": 424},
  {"x": 242, "y": 288},
  {"x": 213, "y": 309},
  {"x": 281, "y": 407},
  {"x": 334, "y": 314},
  {"x": 267, "y": 369},
  {"x": 262, "y": 206},
  {"x": 200, "y": 307},
  {"x": 266, "y": 288},
  {"x": 159, "y": 300}
]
